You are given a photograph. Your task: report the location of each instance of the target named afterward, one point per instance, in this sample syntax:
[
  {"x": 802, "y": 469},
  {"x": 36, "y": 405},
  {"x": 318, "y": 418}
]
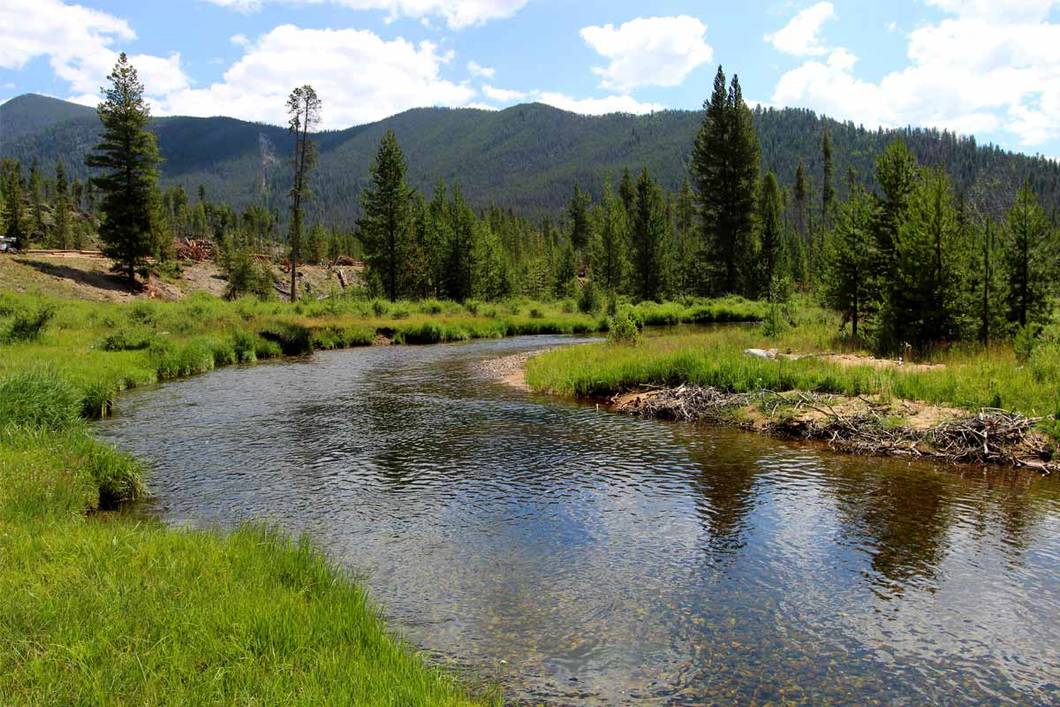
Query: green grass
[
  {"x": 99, "y": 608},
  {"x": 972, "y": 377}
]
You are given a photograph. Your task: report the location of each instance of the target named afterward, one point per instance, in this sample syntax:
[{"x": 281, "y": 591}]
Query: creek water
[{"x": 573, "y": 555}]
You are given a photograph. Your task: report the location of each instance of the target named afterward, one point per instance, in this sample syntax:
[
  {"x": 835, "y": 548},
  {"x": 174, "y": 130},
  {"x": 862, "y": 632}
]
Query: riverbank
[
  {"x": 104, "y": 607},
  {"x": 979, "y": 406}
]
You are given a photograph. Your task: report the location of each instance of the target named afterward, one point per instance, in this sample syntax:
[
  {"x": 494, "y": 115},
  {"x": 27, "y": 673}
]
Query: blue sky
[{"x": 985, "y": 67}]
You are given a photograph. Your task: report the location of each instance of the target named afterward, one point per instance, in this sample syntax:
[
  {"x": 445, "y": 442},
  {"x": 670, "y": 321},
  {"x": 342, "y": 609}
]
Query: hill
[{"x": 526, "y": 158}]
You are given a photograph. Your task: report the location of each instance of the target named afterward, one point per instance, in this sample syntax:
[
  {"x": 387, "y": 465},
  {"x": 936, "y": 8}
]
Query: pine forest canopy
[{"x": 527, "y": 158}]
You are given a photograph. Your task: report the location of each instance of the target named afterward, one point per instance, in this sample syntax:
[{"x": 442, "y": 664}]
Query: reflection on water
[{"x": 573, "y": 554}]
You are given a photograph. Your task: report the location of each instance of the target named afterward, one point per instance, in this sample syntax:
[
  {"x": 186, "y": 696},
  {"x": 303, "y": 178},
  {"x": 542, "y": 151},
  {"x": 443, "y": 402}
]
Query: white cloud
[
  {"x": 456, "y": 13},
  {"x": 359, "y": 76},
  {"x": 596, "y": 106},
  {"x": 802, "y": 35},
  {"x": 987, "y": 67},
  {"x": 240, "y": 40},
  {"x": 502, "y": 95},
  {"x": 649, "y": 51},
  {"x": 479, "y": 71},
  {"x": 79, "y": 43}
]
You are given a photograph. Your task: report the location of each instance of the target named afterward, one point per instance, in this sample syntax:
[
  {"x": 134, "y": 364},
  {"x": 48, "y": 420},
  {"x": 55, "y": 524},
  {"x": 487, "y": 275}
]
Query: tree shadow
[{"x": 90, "y": 278}]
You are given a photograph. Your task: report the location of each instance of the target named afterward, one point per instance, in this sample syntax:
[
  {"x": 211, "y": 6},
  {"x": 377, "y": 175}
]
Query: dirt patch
[
  {"x": 509, "y": 370},
  {"x": 845, "y": 360},
  {"x": 859, "y": 425}
]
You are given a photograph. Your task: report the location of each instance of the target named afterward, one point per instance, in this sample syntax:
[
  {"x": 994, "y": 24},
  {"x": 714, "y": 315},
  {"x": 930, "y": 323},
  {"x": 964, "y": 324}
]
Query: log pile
[
  {"x": 855, "y": 425},
  {"x": 196, "y": 249}
]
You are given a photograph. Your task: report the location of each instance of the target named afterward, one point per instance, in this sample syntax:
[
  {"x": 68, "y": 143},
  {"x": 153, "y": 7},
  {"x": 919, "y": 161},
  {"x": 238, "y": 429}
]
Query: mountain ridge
[{"x": 526, "y": 158}]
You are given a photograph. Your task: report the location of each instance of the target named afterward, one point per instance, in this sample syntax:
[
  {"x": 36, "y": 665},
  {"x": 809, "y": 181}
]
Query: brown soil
[
  {"x": 509, "y": 370},
  {"x": 88, "y": 275}
]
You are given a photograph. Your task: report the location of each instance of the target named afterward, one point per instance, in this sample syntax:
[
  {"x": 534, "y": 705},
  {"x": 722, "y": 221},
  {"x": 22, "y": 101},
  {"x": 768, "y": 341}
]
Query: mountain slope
[
  {"x": 30, "y": 114},
  {"x": 526, "y": 158}
]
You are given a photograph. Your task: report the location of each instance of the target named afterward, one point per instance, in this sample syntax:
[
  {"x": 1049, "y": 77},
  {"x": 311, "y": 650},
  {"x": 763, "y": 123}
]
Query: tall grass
[{"x": 969, "y": 377}]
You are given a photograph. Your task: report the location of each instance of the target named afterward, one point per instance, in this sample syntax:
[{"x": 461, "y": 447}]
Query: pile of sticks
[
  {"x": 990, "y": 437},
  {"x": 196, "y": 249}
]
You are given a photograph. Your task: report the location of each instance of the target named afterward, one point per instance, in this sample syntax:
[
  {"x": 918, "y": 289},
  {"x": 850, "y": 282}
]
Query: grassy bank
[
  {"x": 968, "y": 377},
  {"x": 97, "y": 607}
]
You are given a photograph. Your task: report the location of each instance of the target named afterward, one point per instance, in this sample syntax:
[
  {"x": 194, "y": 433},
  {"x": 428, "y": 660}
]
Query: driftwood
[{"x": 991, "y": 436}]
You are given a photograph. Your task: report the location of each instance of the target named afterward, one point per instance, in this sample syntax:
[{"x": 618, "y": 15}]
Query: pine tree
[
  {"x": 610, "y": 245},
  {"x": 927, "y": 302},
  {"x": 800, "y": 194},
  {"x": 648, "y": 236},
  {"x": 985, "y": 275},
  {"x": 460, "y": 259},
  {"x": 39, "y": 232},
  {"x": 627, "y": 192},
  {"x": 63, "y": 236},
  {"x": 897, "y": 174},
  {"x": 848, "y": 260},
  {"x": 771, "y": 234},
  {"x": 303, "y": 109},
  {"x": 128, "y": 156},
  {"x": 828, "y": 186},
  {"x": 386, "y": 226},
  {"x": 1028, "y": 260},
  {"x": 578, "y": 213},
  {"x": 725, "y": 162},
  {"x": 14, "y": 218}
]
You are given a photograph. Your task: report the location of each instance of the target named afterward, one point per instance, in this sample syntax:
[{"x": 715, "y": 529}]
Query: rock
[{"x": 761, "y": 353}]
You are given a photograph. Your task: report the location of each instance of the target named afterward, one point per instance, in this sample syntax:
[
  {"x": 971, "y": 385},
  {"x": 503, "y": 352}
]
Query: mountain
[{"x": 526, "y": 158}]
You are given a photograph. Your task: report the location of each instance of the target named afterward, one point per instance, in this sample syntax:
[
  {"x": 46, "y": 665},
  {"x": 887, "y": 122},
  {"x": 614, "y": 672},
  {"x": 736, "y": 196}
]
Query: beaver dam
[{"x": 858, "y": 425}]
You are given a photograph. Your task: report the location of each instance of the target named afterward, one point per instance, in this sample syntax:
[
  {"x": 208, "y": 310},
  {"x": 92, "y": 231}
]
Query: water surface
[{"x": 575, "y": 555}]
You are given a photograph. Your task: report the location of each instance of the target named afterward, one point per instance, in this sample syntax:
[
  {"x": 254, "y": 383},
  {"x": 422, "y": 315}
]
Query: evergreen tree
[
  {"x": 437, "y": 236},
  {"x": 627, "y": 192},
  {"x": 39, "y": 231},
  {"x": 1029, "y": 260},
  {"x": 564, "y": 271},
  {"x": 725, "y": 163},
  {"x": 848, "y": 260},
  {"x": 800, "y": 194},
  {"x": 771, "y": 234},
  {"x": 493, "y": 279},
  {"x": 648, "y": 236},
  {"x": 303, "y": 110},
  {"x": 985, "y": 272},
  {"x": 14, "y": 218},
  {"x": 610, "y": 246},
  {"x": 386, "y": 226},
  {"x": 897, "y": 174},
  {"x": 63, "y": 235},
  {"x": 927, "y": 303},
  {"x": 578, "y": 212},
  {"x": 460, "y": 260},
  {"x": 128, "y": 156},
  {"x": 828, "y": 186}
]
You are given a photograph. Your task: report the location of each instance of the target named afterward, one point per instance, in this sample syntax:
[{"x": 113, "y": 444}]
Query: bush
[
  {"x": 128, "y": 340},
  {"x": 1026, "y": 341},
  {"x": 624, "y": 329},
  {"x": 38, "y": 398},
  {"x": 27, "y": 325},
  {"x": 588, "y": 298}
]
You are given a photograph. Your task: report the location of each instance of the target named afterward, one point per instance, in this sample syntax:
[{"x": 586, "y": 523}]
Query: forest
[{"x": 920, "y": 259}]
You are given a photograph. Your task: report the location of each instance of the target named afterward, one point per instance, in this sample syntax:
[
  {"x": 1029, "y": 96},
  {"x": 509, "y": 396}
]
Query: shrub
[
  {"x": 38, "y": 398},
  {"x": 27, "y": 325},
  {"x": 245, "y": 346},
  {"x": 624, "y": 329},
  {"x": 536, "y": 313},
  {"x": 588, "y": 298},
  {"x": 1026, "y": 341},
  {"x": 128, "y": 340}
]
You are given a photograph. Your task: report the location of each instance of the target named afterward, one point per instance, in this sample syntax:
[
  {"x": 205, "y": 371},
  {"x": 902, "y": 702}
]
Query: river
[{"x": 574, "y": 555}]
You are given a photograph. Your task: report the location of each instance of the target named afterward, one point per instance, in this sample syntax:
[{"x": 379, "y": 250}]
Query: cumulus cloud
[
  {"x": 802, "y": 35},
  {"x": 502, "y": 95},
  {"x": 479, "y": 71},
  {"x": 649, "y": 51},
  {"x": 79, "y": 43},
  {"x": 596, "y": 106},
  {"x": 985, "y": 67},
  {"x": 456, "y": 13},
  {"x": 360, "y": 77}
]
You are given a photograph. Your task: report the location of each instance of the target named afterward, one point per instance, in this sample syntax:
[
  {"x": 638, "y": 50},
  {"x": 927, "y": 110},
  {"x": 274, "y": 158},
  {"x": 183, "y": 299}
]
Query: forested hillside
[{"x": 526, "y": 158}]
